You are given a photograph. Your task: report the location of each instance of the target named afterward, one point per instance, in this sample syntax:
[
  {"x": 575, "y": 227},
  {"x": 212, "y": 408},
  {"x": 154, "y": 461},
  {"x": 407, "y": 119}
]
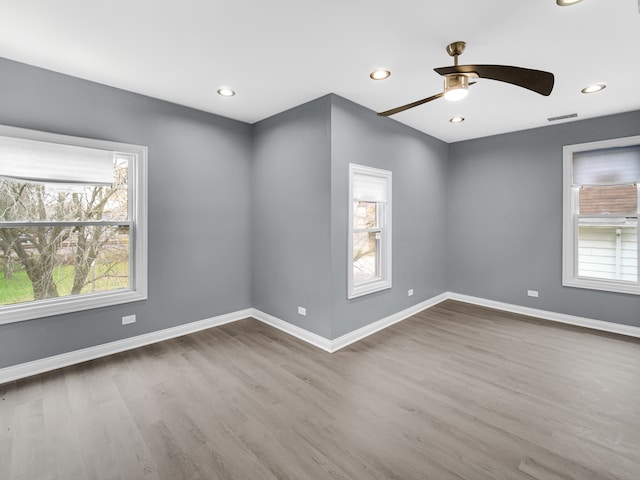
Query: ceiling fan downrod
[{"x": 456, "y": 49}]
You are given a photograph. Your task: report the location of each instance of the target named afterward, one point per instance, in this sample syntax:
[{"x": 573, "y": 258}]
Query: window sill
[
  {"x": 367, "y": 288},
  {"x": 60, "y": 306},
  {"x": 605, "y": 286}
]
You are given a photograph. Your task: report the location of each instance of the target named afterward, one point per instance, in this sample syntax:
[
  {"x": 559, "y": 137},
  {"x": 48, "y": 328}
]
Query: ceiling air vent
[{"x": 562, "y": 117}]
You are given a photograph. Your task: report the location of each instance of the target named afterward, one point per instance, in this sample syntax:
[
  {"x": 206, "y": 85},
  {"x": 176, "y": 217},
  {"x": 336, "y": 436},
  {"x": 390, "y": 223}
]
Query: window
[
  {"x": 369, "y": 230},
  {"x": 72, "y": 224},
  {"x": 601, "y": 215}
]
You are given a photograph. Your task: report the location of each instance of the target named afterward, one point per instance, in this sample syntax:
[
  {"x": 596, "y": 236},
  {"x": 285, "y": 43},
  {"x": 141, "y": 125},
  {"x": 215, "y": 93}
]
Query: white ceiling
[{"x": 280, "y": 53}]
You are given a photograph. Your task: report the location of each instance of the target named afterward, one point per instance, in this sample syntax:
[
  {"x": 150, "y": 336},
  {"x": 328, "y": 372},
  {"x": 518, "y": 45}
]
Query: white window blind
[
  {"x": 36, "y": 161},
  {"x": 610, "y": 166},
  {"x": 369, "y": 188}
]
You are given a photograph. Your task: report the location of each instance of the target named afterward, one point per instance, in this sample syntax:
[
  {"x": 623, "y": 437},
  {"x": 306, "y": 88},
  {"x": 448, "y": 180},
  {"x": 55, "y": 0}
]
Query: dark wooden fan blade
[
  {"x": 534, "y": 80},
  {"x": 410, "y": 105}
]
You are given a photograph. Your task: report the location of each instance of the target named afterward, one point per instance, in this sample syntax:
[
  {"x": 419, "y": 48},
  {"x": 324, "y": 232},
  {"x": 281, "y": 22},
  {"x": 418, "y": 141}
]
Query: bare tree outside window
[
  {"x": 60, "y": 240},
  {"x": 366, "y": 241}
]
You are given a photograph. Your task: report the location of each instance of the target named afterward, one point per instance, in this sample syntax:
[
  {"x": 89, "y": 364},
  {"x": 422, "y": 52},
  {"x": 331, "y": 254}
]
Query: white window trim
[
  {"x": 383, "y": 283},
  {"x": 569, "y": 237},
  {"x": 138, "y": 218}
]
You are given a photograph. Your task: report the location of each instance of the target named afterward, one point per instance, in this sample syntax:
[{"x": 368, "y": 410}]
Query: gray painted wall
[
  {"x": 199, "y": 206},
  {"x": 419, "y": 166},
  {"x": 300, "y": 205},
  {"x": 243, "y": 216},
  {"x": 291, "y": 216},
  {"x": 504, "y": 206}
]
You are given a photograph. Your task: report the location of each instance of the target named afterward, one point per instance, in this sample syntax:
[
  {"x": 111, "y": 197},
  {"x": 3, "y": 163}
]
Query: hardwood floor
[{"x": 456, "y": 392}]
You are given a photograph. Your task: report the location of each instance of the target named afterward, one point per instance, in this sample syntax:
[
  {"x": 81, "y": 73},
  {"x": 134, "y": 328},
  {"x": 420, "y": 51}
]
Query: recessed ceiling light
[
  {"x": 226, "y": 92},
  {"x": 456, "y": 119},
  {"x": 594, "y": 88},
  {"x": 566, "y": 3},
  {"x": 380, "y": 74}
]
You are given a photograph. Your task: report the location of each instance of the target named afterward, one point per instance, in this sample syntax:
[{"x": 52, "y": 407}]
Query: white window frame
[
  {"x": 570, "y": 199},
  {"x": 384, "y": 210},
  {"x": 137, "y": 290}
]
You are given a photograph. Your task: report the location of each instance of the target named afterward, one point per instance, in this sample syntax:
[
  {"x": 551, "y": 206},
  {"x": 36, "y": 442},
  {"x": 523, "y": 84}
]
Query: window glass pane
[
  {"x": 47, "y": 262},
  {"x": 366, "y": 265},
  {"x": 619, "y": 199},
  {"x": 23, "y": 202},
  {"x": 608, "y": 248},
  {"x": 365, "y": 215}
]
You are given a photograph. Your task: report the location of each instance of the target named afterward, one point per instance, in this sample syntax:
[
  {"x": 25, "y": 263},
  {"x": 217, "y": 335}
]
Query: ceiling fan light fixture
[
  {"x": 598, "y": 87},
  {"x": 567, "y": 3},
  {"x": 380, "y": 74},
  {"x": 456, "y": 87},
  {"x": 456, "y": 79}
]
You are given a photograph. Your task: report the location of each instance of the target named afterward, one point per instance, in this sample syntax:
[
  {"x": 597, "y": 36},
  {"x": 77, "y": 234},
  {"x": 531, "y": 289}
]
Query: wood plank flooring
[{"x": 455, "y": 392}]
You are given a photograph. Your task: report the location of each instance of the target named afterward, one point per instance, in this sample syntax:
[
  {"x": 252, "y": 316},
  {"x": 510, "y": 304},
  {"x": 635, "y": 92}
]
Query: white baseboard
[
  {"x": 601, "y": 325},
  {"x": 24, "y": 370},
  {"x": 294, "y": 330},
  {"x": 359, "y": 334},
  {"x": 351, "y": 337},
  {"x": 35, "y": 367}
]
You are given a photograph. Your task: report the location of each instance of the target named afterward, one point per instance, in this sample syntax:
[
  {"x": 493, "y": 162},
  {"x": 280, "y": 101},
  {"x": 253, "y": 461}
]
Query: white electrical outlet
[
  {"x": 128, "y": 319},
  {"x": 410, "y": 292},
  {"x": 302, "y": 311},
  {"x": 532, "y": 293}
]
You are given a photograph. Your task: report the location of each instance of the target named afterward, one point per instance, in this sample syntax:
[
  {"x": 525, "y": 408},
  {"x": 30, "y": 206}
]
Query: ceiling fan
[{"x": 456, "y": 79}]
